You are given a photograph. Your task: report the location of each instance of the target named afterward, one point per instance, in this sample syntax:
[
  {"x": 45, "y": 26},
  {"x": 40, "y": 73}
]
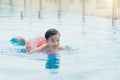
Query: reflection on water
[{"x": 52, "y": 62}]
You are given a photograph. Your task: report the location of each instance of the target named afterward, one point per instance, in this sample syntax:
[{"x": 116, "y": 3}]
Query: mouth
[{"x": 55, "y": 47}]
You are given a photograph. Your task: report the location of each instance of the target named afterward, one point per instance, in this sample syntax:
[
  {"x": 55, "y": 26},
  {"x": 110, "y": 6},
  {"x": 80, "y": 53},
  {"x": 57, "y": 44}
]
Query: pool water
[{"x": 94, "y": 52}]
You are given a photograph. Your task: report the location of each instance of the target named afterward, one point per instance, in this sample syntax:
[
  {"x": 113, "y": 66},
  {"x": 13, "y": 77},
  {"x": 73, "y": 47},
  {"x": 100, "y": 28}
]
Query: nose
[{"x": 56, "y": 44}]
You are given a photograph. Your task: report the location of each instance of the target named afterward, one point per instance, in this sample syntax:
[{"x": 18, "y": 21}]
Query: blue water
[{"x": 94, "y": 52}]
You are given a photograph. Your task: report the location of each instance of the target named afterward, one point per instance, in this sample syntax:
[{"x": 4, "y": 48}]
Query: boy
[{"x": 50, "y": 44}]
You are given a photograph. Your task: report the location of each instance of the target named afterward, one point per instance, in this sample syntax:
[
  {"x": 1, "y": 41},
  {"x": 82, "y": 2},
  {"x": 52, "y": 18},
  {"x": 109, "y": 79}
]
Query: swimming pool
[{"x": 96, "y": 43}]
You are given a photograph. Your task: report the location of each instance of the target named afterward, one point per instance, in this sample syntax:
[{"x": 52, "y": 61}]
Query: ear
[{"x": 46, "y": 40}]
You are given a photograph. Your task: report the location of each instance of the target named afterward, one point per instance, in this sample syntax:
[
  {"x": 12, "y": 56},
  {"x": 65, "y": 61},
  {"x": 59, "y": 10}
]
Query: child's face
[{"x": 53, "y": 41}]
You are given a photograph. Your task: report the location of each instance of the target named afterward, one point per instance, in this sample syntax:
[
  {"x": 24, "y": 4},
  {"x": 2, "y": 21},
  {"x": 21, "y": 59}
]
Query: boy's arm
[
  {"x": 61, "y": 48},
  {"x": 38, "y": 49}
]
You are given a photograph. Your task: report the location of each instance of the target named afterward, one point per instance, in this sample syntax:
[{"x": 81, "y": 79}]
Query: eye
[
  {"x": 57, "y": 40},
  {"x": 53, "y": 40}
]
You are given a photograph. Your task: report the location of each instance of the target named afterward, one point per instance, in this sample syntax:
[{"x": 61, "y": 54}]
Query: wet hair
[{"x": 50, "y": 33}]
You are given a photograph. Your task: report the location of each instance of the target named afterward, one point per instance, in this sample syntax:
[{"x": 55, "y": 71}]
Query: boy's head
[{"x": 53, "y": 38}]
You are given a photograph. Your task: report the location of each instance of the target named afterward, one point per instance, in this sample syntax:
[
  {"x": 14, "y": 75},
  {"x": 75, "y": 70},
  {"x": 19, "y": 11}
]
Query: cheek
[{"x": 50, "y": 43}]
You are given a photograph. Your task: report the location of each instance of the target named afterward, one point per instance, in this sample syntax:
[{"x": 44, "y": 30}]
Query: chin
[{"x": 52, "y": 53}]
